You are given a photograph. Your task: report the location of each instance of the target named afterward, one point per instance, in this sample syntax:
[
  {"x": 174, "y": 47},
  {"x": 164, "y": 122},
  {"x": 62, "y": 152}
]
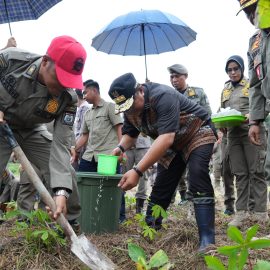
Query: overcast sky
[{"x": 220, "y": 34}]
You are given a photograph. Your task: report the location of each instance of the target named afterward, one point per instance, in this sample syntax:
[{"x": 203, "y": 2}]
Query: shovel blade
[{"x": 90, "y": 255}]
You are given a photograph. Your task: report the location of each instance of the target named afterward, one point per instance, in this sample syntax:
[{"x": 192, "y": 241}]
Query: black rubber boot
[
  {"x": 205, "y": 217},
  {"x": 139, "y": 205}
]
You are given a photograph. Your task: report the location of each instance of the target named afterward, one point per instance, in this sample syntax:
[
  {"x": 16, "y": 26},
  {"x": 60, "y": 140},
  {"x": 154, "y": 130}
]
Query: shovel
[{"x": 80, "y": 245}]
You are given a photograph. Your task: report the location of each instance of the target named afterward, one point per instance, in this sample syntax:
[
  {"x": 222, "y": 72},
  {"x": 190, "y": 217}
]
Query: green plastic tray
[{"x": 228, "y": 121}]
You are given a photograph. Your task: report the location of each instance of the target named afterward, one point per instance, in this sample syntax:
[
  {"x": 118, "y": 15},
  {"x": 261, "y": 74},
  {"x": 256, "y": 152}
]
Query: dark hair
[
  {"x": 79, "y": 93},
  {"x": 90, "y": 83}
]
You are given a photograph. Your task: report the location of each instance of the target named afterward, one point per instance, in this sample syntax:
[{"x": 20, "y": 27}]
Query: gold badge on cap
[
  {"x": 119, "y": 99},
  {"x": 52, "y": 106}
]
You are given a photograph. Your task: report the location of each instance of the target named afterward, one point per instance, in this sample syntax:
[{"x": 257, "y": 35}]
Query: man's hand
[
  {"x": 122, "y": 157},
  {"x": 254, "y": 134},
  {"x": 61, "y": 207},
  {"x": 11, "y": 42},
  {"x": 129, "y": 180}
]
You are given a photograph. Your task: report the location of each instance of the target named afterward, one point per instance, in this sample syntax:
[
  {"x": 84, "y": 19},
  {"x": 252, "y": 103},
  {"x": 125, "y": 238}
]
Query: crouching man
[{"x": 183, "y": 136}]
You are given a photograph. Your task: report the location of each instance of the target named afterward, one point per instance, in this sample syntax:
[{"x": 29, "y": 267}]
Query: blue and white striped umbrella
[
  {"x": 22, "y": 10},
  {"x": 143, "y": 32}
]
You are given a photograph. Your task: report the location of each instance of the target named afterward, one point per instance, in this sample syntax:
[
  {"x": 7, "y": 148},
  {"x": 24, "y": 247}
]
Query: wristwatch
[
  {"x": 135, "y": 168},
  {"x": 61, "y": 192},
  {"x": 121, "y": 148}
]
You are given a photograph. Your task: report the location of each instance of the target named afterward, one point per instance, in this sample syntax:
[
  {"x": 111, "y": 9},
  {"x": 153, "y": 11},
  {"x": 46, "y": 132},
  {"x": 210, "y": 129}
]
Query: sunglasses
[{"x": 230, "y": 70}]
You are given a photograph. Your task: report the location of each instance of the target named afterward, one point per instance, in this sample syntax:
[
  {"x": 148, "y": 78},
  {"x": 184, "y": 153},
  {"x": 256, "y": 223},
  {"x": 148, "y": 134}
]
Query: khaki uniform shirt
[
  {"x": 236, "y": 97},
  {"x": 100, "y": 123},
  {"x": 259, "y": 65},
  {"x": 27, "y": 104},
  {"x": 198, "y": 95}
]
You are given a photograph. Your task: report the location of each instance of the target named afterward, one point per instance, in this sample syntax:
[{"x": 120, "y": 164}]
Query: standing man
[
  {"x": 101, "y": 130},
  {"x": 183, "y": 136},
  {"x": 178, "y": 77},
  {"x": 259, "y": 77},
  {"x": 34, "y": 90},
  {"x": 82, "y": 107}
]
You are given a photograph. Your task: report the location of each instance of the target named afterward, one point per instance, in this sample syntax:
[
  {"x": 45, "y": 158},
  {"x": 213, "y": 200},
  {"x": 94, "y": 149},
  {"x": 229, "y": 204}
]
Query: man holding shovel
[{"x": 35, "y": 90}]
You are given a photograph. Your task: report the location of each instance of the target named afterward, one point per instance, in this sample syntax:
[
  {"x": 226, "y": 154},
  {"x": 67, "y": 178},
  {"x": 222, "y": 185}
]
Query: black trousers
[{"x": 200, "y": 185}]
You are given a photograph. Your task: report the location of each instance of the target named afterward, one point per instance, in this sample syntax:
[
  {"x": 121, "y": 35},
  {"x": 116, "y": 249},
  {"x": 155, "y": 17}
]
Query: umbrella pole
[
  {"x": 145, "y": 63},
  {"x": 7, "y": 18},
  {"x": 10, "y": 29}
]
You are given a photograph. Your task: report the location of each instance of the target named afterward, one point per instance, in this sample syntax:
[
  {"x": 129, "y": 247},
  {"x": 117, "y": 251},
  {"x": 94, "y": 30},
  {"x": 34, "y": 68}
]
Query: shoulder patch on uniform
[
  {"x": 52, "y": 105},
  {"x": 69, "y": 114}
]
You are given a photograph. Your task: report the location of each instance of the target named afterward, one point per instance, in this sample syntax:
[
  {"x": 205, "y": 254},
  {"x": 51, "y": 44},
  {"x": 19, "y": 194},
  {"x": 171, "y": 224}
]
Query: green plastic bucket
[
  {"x": 100, "y": 201},
  {"x": 107, "y": 164}
]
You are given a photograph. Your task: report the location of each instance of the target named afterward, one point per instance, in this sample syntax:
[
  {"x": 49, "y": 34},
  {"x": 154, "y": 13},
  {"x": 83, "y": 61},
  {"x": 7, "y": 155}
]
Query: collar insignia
[{"x": 31, "y": 70}]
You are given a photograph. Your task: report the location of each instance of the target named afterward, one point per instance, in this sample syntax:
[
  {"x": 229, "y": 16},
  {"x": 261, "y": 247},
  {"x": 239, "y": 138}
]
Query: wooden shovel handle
[{"x": 34, "y": 178}]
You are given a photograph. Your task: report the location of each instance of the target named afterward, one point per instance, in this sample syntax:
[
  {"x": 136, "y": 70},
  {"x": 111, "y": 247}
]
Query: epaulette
[{"x": 19, "y": 54}]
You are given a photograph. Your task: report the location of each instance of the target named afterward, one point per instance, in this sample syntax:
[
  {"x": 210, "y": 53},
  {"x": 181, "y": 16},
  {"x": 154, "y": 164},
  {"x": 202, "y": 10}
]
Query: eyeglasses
[{"x": 230, "y": 70}]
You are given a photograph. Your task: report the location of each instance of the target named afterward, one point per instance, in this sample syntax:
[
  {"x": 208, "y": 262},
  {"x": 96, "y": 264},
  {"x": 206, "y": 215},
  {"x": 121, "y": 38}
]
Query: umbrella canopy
[
  {"x": 143, "y": 32},
  {"x": 22, "y": 10}
]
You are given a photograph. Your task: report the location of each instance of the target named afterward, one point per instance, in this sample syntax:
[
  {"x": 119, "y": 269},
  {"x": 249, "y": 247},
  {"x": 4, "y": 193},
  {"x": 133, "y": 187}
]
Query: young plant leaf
[
  {"x": 158, "y": 259},
  {"x": 214, "y": 263},
  {"x": 242, "y": 258},
  {"x": 251, "y": 232},
  {"x": 232, "y": 261},
  {"x": 142, "y": 263},
  {"x": 258, "y": 244},
  {"x": 228, "y": 250},
  {"x": 235, "y": 234},
  {"x": 262, "y": 265},
  {"x": 135, "y": 252}
]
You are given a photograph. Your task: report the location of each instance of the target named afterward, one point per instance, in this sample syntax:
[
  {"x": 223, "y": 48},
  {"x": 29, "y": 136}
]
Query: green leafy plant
[
  {"x": 130, "y": 201},
  {"x": 238, "y": 255},
  {"x": 147, "y": 231},
  {"x": 158, "y": 261},
  {"x": 38, "y": 229}
]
